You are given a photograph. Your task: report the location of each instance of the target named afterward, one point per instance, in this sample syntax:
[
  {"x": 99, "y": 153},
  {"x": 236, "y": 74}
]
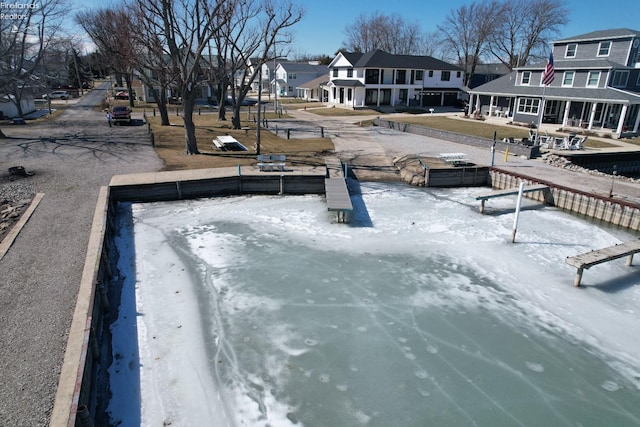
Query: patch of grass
[{"x": 171, "y": 147}]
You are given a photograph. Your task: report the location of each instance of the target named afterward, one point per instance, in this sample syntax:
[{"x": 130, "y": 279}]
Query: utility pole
[{"x": 259, "y": 108}]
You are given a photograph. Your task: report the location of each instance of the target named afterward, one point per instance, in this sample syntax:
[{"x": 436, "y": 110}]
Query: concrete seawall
[{"x": 88, "y": 352}]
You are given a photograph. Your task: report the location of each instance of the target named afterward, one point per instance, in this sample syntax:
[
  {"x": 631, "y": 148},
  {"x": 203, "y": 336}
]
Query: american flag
[{"x": 548, "y": 75}]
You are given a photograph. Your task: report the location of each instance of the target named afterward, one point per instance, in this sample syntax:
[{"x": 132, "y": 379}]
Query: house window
[
  {"x": 528, "y": 106},
  {"x": 371, "y": 76},
  {"x": 419, "y": 74},
  {"x": 349, "y": 94},
  {"x": 335, "y": 72},
  {"x": 594, "y": 79},
  {"x": 458, "y": 74},
  {"x": 526, "y": 78},
  {"x": 291, "y": 76},
  {"x": 349, "y": 72},
  {"x": 604, "y": 48},
  {"x": 290, "y": 89},
  {"x": 404, "y": 94},
  {"x": 430, "y": 73},
  {"x": 445, "y": 76},
  {"x": 620, "y": 79},
  {"x": 571, "y": 50},
  {"x": 401, "y": 77},
  {"x": 567, "y": 80}
]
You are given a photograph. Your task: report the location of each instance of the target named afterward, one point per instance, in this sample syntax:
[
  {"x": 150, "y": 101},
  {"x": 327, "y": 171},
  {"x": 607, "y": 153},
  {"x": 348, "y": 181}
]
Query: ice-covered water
[{"x": 259, "y": 311}]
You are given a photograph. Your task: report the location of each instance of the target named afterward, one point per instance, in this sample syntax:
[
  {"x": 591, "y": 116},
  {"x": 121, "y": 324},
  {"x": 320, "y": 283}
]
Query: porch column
[
  {"x": 491, "y": 101},
  {"x": 605, "y": 115},
  {"x": 592, "y": 116},
  {"x": 565, "y": 116},
  {"x": 623, "y": 115},
  {"x": 470, "y": 106}
]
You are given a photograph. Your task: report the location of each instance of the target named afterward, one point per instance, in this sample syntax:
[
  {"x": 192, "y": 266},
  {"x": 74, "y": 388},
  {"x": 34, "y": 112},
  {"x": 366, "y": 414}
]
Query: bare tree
[
  {"x": 466, "y": 33},
  {"x": 390, "y": 33},
  {"x": 186, "y": 28},
  {"x": 257, "y": 43},
  {"x": 24, "y": 40},
  {"x": 111, "y": 31},
  {"x": 153, "y": 63},
  {"x": 526, "y": 29}
]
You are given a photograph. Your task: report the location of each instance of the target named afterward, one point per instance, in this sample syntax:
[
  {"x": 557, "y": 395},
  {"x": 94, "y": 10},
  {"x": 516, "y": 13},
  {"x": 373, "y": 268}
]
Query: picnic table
[{"x": 454, "y": 158}]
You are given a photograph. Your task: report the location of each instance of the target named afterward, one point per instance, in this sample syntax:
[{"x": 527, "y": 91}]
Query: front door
[{"x": 341, "y": 95}]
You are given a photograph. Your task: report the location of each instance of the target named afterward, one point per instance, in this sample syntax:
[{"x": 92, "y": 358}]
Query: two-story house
[
  {"x": 378, "y": 78},
  {"x": 596, "y": 85},
  {"x": 291, "y": 75}
]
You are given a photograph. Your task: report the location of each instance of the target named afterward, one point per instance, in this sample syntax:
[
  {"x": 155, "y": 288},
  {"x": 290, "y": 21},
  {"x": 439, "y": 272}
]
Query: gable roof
[
  {"x": 303, "y": 67},
  {"x": 381, "y": 59},
  {"x": 617, "y": 33},
  {"x": 318, "y": 81}
]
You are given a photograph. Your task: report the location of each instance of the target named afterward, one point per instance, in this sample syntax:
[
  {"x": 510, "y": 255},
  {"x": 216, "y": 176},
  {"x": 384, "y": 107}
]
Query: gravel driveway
[{"x": 71, "y": 158}]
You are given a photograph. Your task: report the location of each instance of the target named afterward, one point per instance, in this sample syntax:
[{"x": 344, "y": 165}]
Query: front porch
[{"x": 582, "y": 116}]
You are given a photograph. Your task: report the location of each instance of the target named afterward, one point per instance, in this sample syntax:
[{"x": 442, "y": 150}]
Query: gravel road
[{"x": 71, "y": 158}]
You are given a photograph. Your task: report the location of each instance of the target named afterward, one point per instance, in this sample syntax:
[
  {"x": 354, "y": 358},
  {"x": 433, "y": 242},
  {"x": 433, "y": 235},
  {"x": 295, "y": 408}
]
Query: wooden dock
[
  {"x": 509, "y": 192},
  {"x": 338, "y": 199},
  {"x": 589, "y": 259}
]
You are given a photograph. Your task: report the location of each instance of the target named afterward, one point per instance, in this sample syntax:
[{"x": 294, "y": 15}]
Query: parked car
[
  {"x": 121, "y": 114},
  {"x": 121, "y": 95},
  {"x": 56, "y": 94}
]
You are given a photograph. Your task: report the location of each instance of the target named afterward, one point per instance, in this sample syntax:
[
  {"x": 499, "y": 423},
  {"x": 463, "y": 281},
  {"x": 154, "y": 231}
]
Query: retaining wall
[
  {"x": 605, "y": 209},
  {"x": 87, "y": 355}
]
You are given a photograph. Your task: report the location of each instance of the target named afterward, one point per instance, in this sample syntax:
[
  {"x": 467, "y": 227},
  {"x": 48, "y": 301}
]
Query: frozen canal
[{"x": 259, "y": 311}]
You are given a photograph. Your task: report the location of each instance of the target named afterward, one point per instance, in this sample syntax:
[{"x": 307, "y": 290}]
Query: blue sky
[{"x": 321, "y": 30}]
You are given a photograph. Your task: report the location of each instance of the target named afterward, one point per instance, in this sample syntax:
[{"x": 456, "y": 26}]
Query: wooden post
[
  {"x": 630, "y": 260},
  {"x": 578, "y": 278},
  {"x": 482, "y": 205}
]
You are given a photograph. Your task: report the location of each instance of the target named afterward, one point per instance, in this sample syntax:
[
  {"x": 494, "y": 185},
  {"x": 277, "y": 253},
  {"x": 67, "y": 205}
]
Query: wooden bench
[{"x": 271, "y": 162}]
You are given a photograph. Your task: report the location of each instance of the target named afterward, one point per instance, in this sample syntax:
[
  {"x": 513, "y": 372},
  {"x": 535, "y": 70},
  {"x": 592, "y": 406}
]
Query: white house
[
  {"x": 314, "y": 90},
  {"x": 378, "y": 78},
  {"x": 292, "y": 75}
]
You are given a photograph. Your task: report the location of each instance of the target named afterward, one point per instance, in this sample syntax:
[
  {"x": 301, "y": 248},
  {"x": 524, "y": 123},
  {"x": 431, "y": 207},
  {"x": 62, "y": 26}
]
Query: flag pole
[
  {"x": 546, "y": 79},
  {"x": 541, "y": 115}
]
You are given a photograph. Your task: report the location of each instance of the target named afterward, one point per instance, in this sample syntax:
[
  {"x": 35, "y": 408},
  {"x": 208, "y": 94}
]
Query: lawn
[{"x": 170, "y": 144}]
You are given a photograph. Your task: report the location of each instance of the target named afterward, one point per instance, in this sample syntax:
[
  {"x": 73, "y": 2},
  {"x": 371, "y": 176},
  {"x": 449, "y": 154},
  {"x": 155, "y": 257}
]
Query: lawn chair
[{"x": 577, "y": 143}]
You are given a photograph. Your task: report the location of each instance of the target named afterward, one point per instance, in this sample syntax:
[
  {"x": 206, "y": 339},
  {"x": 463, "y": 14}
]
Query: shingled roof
[
  {"x": 616, "y": 33},
  {"x": 381, "y": 59}
]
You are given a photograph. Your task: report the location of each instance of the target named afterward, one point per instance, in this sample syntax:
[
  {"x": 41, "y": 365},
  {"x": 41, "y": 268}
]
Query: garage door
[{"x": 430, "y": 99}]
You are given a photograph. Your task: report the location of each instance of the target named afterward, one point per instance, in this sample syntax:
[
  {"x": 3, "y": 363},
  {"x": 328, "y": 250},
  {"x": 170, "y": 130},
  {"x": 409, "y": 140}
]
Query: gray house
[{"x": 596, "y": 85}]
